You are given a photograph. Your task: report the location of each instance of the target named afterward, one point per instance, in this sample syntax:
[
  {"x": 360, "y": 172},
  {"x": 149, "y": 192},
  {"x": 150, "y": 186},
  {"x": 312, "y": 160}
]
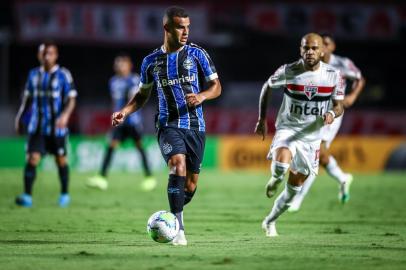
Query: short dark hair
[
  {"x": 327, "y": 35},
  {"x": 174, "y": 11},
  {"x": 47, "y": 43}
]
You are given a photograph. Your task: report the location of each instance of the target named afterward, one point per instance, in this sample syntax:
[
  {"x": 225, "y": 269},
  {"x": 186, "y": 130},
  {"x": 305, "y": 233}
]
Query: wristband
[{"x": 332, "y": 113}]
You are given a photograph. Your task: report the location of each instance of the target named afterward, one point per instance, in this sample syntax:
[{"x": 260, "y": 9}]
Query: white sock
[
  {"x": 298, "y": 199},
  {"x": 335, "y": 171},
  {"x": 278, "y": 170},
  {"x": 283, "y": 202}
]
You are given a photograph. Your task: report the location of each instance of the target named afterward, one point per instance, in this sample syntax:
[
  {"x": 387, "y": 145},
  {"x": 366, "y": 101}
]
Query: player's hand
[
  {"x": 261, "y": 128},
  {"x": 117, "y": 118},
  {"x": 62, "y": 121},
  {"x": 328, "y": 118},
  {"x": 194, "y": 100}
]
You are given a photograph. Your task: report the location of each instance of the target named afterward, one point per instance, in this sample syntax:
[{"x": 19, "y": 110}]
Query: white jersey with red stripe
[
  {"x": 307, "y": 97},
  {"x": 348, "y": 70}
]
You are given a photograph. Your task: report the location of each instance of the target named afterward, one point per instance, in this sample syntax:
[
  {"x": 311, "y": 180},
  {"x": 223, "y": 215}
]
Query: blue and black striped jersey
[
  {"x": 49, "y": 92},
  {"x": 121, "y": 90},
  {"x": 173, "y": 75}
]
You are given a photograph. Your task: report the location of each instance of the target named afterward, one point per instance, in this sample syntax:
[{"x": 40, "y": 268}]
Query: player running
[
  {"x": 309, "y": 87},
  {"x": 122, "y": 87},
  {"x": 175, "y": 70},
  {"x": 50, "y": 96},
  {"x": 349, "y": 72}
]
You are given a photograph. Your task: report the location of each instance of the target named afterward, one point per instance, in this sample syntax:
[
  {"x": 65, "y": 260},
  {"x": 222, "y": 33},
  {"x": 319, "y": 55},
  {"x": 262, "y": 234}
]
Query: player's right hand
[
  {"x": 261, "y": 128},
  {"x": 117, "y": 118}
]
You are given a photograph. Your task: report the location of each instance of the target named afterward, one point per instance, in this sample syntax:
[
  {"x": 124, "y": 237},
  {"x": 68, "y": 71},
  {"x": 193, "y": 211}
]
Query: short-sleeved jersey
[
  {"x": 307, "y": 96},
  {"x": 173, "y": 75},
  {"x": 122, "y": 89},
  {"x": 49, "y": 93},
  {"x": 348, "y": 70}
]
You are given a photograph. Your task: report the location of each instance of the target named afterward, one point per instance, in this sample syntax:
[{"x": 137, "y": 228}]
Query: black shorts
[
  {"x": 43, "y": 144},
  {"x": 122, "y": 132},
  {"x": 174, "y": 141}
]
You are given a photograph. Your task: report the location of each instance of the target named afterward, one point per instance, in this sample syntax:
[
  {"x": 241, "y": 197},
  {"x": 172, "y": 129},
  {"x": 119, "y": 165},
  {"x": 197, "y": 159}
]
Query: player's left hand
[
  {"x": 194, "y": 100},
  {"x": 261, "y": 128},
  {"x": 328, "y": 118},
  {"x": 62, "y": 121}
]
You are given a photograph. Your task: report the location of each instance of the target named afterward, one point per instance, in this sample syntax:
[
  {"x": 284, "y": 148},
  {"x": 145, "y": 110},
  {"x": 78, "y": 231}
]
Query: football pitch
[{"x": 107, "y": 230}]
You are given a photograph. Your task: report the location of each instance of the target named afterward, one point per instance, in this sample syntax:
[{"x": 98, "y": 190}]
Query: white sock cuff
[
  {"x": 293, "y": 189},
  {"x": 280, "y": 164}
]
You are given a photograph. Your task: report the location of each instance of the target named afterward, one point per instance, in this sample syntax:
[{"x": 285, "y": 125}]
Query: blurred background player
[
  {"x": 123, "y": 86},
  {"x": 310, "y": 86},
  {"x": 349, "y": 72},
  {"x": 174, "y": 71},
  {"x": 50, "y": 96}
]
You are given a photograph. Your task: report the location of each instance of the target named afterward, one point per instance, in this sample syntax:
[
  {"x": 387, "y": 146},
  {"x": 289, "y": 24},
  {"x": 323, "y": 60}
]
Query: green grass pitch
[{"x": 107, "y": 230}]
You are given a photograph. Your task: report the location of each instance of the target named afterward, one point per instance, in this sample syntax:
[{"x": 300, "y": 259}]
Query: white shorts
[
  {"x": 305, "y": 154},
  {"x": 329, "y": 132}
]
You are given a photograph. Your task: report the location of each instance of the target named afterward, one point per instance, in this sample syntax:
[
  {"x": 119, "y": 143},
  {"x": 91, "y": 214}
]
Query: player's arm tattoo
[
  {"x": 137, "y": 101},
  {"x": 263, "y": 101},
  {"x": 338, "y": 108}
]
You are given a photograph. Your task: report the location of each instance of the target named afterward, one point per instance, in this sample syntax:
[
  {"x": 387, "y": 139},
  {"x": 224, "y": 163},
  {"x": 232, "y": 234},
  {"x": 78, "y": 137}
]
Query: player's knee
[
  {"x": 279, "y": 169},
  {"x": 61, "y": 161},
  {"x": 114, "y": 143},
  {"x": 33, "y": 159},
  {"x": 177, "y": 165}
]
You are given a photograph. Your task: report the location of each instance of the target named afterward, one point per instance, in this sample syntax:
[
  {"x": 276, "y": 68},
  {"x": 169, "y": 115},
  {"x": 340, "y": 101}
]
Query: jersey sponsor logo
[
  {"x": 188, "y": 63},
  {"x": 305, "y": 109},
  {"x": 169, "y": 82},
  {"x": 310, "y": 91}
]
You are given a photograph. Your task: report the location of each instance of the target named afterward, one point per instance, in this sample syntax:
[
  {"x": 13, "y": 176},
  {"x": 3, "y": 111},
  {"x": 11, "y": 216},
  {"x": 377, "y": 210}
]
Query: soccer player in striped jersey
[
  {"x": 50, "y": 96},
  {"x": 123, "y": 85},
  {"x": 176, "y": 71},
  {"x": 309, "y": 87},
  {"x": 349, "y": 72}
]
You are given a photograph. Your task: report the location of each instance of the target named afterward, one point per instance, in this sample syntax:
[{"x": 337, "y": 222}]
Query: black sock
[
  {"x": 29, "y": 177},
  {"x": 176, "y": 195},
  {"x": 189, "y": 196},
  {"x": 145, "y": 162},
  {"x": 106, "y": 161},
  {"x": 64, "y": 178}
]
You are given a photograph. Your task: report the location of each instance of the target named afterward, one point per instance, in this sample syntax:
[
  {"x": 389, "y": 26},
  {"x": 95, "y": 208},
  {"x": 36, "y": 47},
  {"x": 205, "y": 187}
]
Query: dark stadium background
[{"x": 241, "y": 38}]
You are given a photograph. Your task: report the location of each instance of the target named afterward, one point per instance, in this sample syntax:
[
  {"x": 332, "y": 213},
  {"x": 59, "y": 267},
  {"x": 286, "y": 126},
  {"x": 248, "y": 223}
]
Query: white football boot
[
  {"x": 270, "y": 229},
  {"x": 180, "y": 239},
  {"x": 344, "y": 189}
]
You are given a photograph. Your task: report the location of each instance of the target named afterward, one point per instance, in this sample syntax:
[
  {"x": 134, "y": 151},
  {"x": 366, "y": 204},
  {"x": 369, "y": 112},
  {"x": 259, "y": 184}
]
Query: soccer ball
[{"x": 163, "y": 226}]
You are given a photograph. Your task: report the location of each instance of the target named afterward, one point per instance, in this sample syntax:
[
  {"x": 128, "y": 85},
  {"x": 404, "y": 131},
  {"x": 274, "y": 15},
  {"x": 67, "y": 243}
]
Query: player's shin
[
  {"x": 176, "y": 196},
  {"x": 298, "y": 199},
  {"x": 30, "y": 172},
  {"x": 283, "y": 202},
  {"x": 278, "y": 171},
  {"x": 335, "y": 171},
  {"x": 189, "y": 196},
  {"x": 64, "y": 178},
  {"x": 106, "y": 161}
]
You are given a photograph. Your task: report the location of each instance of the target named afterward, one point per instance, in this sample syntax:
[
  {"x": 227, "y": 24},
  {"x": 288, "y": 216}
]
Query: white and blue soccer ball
[{"x": 163, "y": 226}]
